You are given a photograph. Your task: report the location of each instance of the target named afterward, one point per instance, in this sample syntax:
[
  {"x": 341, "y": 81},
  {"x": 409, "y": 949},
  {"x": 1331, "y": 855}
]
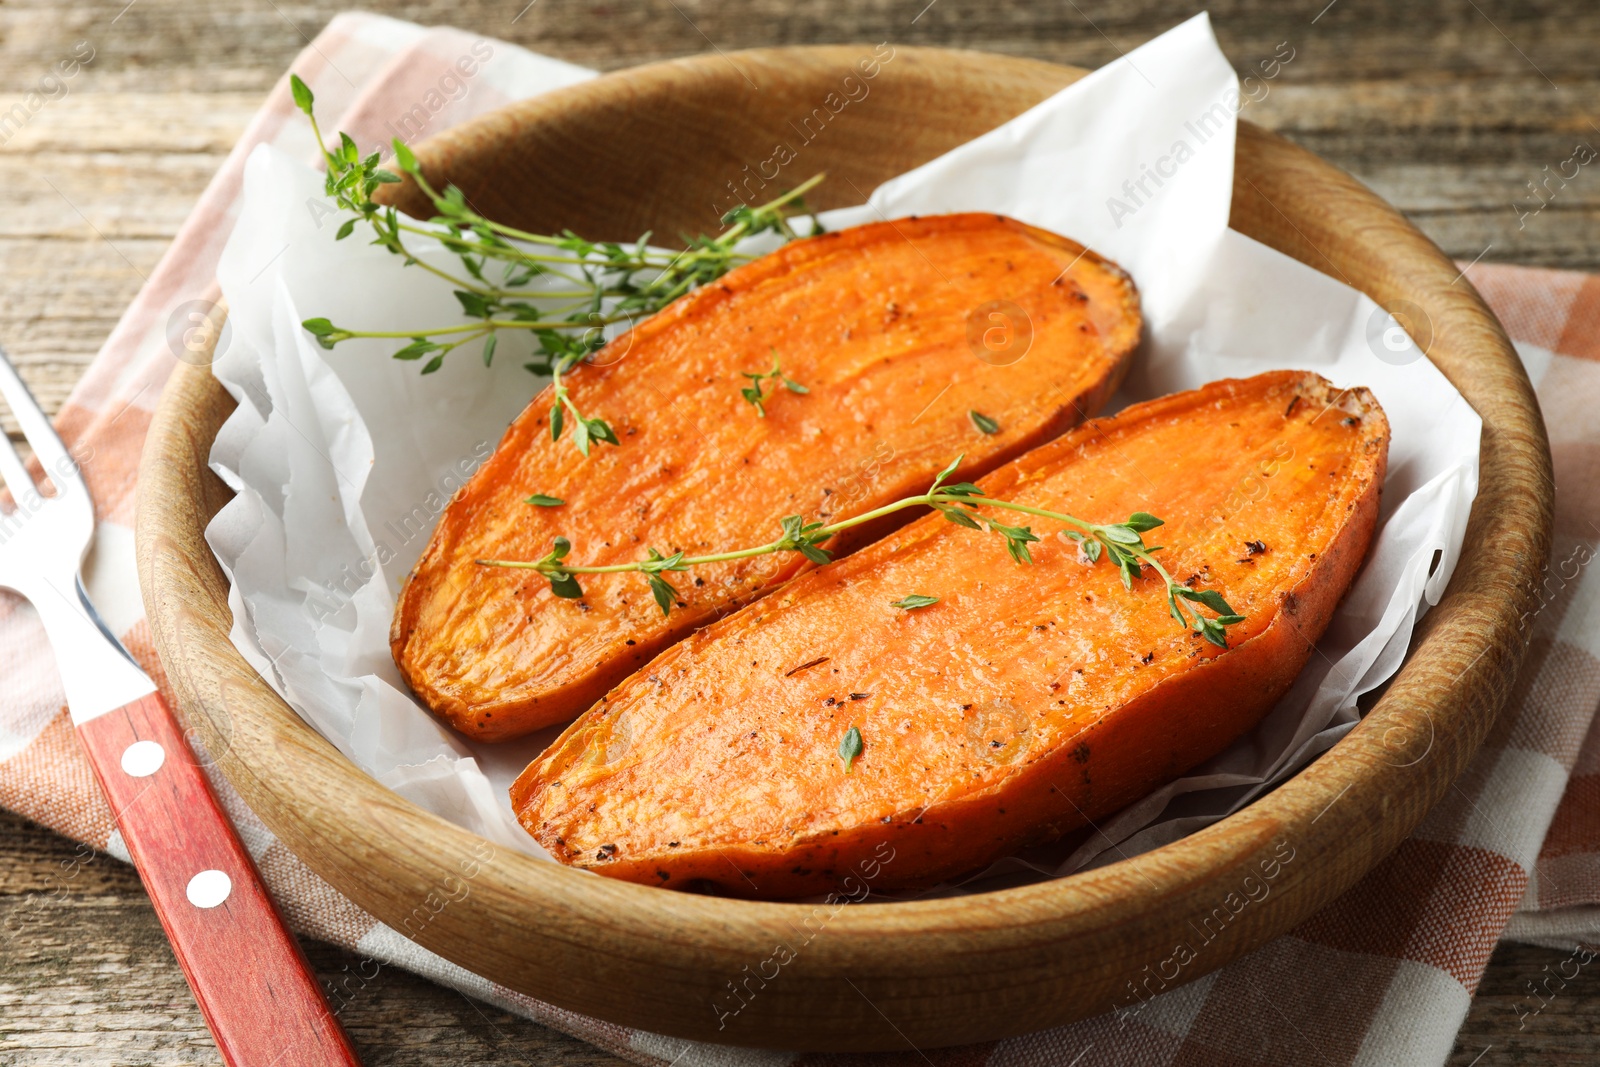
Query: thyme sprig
[
  {"x": 584, "y": 286},
  {"x": 752, "y": 392},
  {"x": 1121, "y": 543}
]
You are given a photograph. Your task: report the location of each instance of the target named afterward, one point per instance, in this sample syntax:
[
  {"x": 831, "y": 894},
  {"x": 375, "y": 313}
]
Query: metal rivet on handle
[
  {"x": 209, "y": 888},
  {"x": 142, "y": 759}
]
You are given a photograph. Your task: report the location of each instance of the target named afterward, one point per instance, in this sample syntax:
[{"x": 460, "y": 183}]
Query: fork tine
[{"x": 41, "y": 436}]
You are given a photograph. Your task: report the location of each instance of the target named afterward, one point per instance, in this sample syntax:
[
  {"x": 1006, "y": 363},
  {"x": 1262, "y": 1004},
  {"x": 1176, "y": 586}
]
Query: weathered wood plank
[{"x": 1516, "y": 1020}]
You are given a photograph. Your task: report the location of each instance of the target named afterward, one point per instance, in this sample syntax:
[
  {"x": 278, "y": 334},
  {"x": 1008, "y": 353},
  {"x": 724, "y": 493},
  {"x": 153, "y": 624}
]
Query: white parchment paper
[{"x": 342, "y": 461}]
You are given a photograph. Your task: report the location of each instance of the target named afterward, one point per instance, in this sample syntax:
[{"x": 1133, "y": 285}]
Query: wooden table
[{"x": 1447, "y": 109}]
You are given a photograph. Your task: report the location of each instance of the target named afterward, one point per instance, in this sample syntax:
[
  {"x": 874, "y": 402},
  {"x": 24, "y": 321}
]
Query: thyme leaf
[
  {"x": 983, "y": 422},
  {"x": 850, "y": 747}
]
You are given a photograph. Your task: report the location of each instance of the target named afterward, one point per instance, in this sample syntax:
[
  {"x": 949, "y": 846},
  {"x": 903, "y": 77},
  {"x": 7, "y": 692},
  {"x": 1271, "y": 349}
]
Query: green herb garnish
[
  {"x": 850, "y": 747},
  {"x": 605, "y": 282},
  {"x": 914, "y": 601},
  {"x": 983, "y": 422},
  {"x": 753, "y": 394},
  {"x": 540, "y": 500},
  {"x": 1122, "y": 543}
]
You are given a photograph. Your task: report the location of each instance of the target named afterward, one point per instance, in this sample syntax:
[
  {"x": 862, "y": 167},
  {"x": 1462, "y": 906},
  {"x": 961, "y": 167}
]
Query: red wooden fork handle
[{"x": 251, "y": 979}]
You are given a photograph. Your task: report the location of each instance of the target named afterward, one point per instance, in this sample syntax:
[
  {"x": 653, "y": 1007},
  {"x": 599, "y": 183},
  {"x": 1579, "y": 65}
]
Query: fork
[{"x": 248, "y": 973}]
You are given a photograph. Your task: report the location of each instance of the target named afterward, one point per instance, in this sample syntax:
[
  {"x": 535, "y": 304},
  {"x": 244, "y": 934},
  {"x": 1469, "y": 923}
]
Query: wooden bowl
[{"x": 654, "y": 147}]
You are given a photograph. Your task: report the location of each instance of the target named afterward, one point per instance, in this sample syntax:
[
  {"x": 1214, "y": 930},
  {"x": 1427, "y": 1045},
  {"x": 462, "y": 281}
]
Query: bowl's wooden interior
[{"x": 656, "y": 147}]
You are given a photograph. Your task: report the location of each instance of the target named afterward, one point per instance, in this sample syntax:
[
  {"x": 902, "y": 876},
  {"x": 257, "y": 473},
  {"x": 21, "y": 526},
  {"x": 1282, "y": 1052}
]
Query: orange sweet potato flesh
[
  {"x": 874, "y": 322},
  {"x": 1027, "y": 701}
]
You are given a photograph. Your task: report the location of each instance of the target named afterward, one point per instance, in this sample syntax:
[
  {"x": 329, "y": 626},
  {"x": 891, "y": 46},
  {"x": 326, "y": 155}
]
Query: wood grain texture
[
  {"x": 246, "y": 970},
  {"x": 1445, "y": 111},
  {"x": 945, "y": 971}
]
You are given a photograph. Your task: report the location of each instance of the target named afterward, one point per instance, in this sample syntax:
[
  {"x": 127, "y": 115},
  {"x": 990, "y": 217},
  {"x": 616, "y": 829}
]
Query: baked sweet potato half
[
  {"x": 1027, "y": 701},
  {"x": 883, "y": 324}
]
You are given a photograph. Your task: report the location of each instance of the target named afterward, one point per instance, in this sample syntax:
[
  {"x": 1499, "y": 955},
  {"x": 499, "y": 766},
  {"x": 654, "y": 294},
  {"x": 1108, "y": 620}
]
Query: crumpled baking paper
[{"x": 342, "y": 460}]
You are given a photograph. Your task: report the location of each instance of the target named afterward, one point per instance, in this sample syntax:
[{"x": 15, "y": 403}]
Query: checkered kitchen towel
[{"x": 1383, "y": 976}]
